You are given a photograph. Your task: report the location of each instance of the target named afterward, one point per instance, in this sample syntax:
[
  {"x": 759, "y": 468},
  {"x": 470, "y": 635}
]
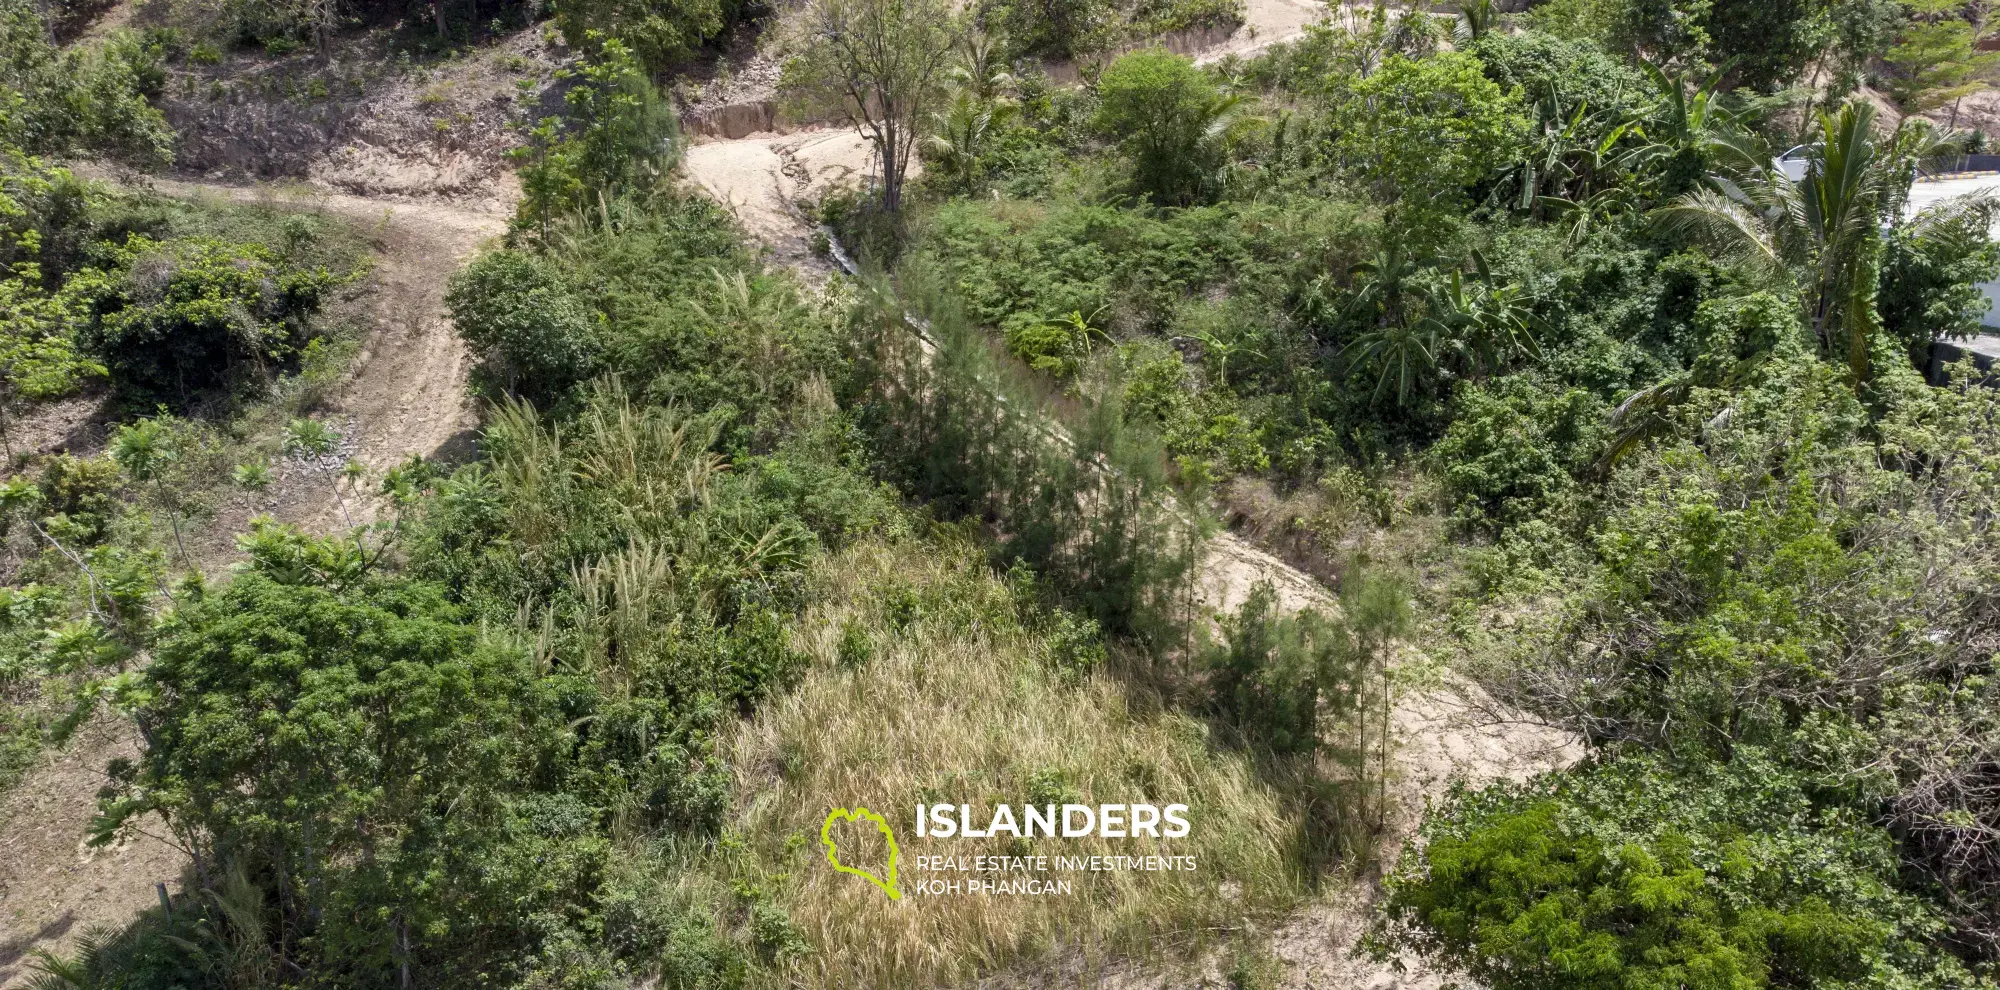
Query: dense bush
[
  {"x": 658, "y": 32},
  {"x": 1422, "y": 132},
  {"x": 1113, "y": 541},
  {"x": 1061, "y": 29},
  {"x": 86, "y": 98},
  {"x": 172, "y": 320},
  {"x": 1931, "y": 273},
  {"x": 1642, "y": 872},
  {"x": 1281, "y": 679},
  {"x": 521, "y": 310},
  {"x": 1574, "y": 71},
  {"x": 618, "y": 135},
  {"x": 1166, "y": 114},
  {"x": 320, "y": 769},
  {"x": 1514, "y": 450}
]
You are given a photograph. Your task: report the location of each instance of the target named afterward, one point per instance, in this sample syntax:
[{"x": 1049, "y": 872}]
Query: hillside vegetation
[{"x": 1509, "y": 327}]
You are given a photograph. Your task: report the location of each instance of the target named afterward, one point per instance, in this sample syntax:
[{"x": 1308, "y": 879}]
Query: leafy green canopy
[
  {"x": 349, "y": 740},
  {"x": 1421, "y": 132},
  {"x": 173, "y": 320},
  {"x": 656, "y": 32},
  {"x": 617, "y": 135},
  {"x": 1169, "y": 118},
  {"x": 515, "y": 306},
  {"x": 58, "y": 100},
  {"x": 1645, "y": 874}
]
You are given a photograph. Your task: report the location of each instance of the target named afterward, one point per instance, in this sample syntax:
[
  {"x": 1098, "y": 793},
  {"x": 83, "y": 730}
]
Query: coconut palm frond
[{"x": 1722, "y": 221}]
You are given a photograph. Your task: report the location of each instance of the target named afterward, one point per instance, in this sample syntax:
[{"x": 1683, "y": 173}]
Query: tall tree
[
  {"x": 1937, "y": 56},
  {"x": 882, "y": 65}
]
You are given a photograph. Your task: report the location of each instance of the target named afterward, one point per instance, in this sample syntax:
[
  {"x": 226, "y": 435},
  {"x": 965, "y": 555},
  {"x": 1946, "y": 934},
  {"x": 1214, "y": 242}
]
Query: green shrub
[
  {"x": 318, "y": 768},
  {"x": 618, "y": 135},
  {"x": 657, "y": 32},
  {"x": 1514, "y": 450},
  {"x": 1053, "y": 28},
  {"x": 83, "y": 492},
  {"x": 1278, "y": 677},
  {"x": 1057, "y": 346},
  {"x": 86, "y": 98},
  {"x": 1165, "y": 113},
  {"x": 1422, "y": 132},
  {"x": 1643, "y": 872},
  {"x": 172, "y": 320},
  {"x": 1931, "y": 272},
  {"x": 519, "y": 309}
]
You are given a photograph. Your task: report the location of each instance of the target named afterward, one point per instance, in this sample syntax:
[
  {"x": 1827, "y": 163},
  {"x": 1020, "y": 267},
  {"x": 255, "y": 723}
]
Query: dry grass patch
[{"x": 930, "y": 683}]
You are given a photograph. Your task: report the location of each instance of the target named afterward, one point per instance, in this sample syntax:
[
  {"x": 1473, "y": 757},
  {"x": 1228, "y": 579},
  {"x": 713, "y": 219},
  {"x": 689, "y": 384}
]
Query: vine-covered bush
[{"x": 173, "y": 319}]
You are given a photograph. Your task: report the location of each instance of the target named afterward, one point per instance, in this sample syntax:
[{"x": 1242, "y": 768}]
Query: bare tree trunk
[
  {"x": 892, "y": 174},
  {"x": 1382, "y": 784}
]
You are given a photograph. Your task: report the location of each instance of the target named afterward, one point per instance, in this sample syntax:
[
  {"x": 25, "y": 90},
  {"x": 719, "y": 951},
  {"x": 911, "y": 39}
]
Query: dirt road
[
  {"x": 406, "y": 395},
  {"x": 407, "y": 390},
  {"x": 764, "y": 179}
]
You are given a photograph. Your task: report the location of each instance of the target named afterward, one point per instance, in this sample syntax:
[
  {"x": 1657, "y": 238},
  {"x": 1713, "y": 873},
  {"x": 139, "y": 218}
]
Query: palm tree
[
  {"x": 1380, "y": 284},
  {"x": 1396, "y": 349},
  {"x": 983, "y": 65},
  {"x": 1477, "y": 329},
  {"x": 1824, "y": 230},
  {"x": 1690, "y": 118},
  {"x": 1475, "y": 18},
  {"x": 960, "y": 134},
  {"x": 1222, "y": 350},
  {"x": 88, "y": 968}
]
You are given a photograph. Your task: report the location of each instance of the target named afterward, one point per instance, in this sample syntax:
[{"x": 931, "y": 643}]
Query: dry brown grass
[{"x": 958, "y": 703}]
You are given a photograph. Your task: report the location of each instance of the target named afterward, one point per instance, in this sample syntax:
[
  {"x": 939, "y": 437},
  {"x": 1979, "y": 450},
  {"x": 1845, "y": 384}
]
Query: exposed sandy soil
[
  {"x": 1442, "y": 733},
  {"x": 407, "y": 390},
  {"x": 763, "y": 179},
  {"x": 51, "y": 885},
  {"x": 762, "y": 176},
  {"x": 406, "y": 395},
  {"x": 1266, "y": 23}
]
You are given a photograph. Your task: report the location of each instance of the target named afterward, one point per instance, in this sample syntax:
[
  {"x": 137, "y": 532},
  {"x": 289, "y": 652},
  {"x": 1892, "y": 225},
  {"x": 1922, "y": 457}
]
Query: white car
[{"x": 1793, "y": 163}]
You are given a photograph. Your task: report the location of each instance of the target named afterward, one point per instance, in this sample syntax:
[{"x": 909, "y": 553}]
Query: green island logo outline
[{"x": 833, "y": 853}]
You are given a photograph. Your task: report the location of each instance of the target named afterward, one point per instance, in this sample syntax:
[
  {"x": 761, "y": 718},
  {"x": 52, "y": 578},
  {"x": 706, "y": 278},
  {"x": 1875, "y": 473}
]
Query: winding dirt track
[
  {"x": 406, "y": 395},
  {"x": 407, "y": 392}
]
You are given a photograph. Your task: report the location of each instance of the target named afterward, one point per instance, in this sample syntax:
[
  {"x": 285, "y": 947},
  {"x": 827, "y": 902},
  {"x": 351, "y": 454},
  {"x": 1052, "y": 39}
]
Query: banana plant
[
  {"x": 1483, "y": 328},
  {"x": 1573, "y": 154},
  {"x": 1398, "y": 355}
]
